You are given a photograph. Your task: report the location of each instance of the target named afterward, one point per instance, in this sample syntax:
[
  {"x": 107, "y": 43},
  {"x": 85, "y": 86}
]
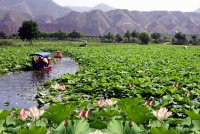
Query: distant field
[{"x": 110, "y": 70}]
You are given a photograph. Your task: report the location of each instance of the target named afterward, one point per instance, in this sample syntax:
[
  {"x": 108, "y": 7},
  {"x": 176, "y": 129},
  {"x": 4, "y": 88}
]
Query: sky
[{"x": 141, "y": 5}]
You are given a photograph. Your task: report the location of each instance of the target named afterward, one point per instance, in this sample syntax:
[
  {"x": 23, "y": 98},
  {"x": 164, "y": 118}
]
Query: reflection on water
[{"x": 19, "y": 89}]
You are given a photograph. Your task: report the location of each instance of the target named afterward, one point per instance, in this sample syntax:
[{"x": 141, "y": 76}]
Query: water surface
[{"x": 19, "y": 89}]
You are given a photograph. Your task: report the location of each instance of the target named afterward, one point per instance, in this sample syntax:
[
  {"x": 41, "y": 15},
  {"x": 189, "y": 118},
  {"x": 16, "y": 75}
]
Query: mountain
[
  {"x": 119, "y": 21},
  {"x": 102, "y": 7},
  {"x": 14, "y": 12},
  {"x": 13, "y": 20},
  {"x": 2, "y": 14},
  {"x": 47, "y": 7},
  {"x": 198, "y": 10},
  {"x": 79, "y": 8},
  {"x": 35, "y": 8},
  {"x": 17, "y": 5},
  {"x": 52, "y": 17}
]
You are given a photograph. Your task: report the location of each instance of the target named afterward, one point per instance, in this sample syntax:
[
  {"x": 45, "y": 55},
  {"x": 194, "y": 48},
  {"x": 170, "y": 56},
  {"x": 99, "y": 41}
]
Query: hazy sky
[{"x": 142, "y": 5}]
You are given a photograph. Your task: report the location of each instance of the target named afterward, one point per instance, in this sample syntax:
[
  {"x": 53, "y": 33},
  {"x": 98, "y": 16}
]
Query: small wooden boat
[
  {"x": 46, "y": 69},
  {"x": 41, "y": 61},
  {"x": 58, "y": 54}
]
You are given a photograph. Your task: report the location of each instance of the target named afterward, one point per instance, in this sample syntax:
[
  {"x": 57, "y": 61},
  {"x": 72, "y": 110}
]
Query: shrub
[
  {"x": 144, "y": 37},
  {"x": 6, "y": 43}
]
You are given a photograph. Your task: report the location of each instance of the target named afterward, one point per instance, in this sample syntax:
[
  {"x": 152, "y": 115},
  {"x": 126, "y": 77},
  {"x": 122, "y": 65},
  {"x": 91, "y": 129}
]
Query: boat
[
  {"x": 41, "y": 61},
  {"x": 58, "y": 54}
]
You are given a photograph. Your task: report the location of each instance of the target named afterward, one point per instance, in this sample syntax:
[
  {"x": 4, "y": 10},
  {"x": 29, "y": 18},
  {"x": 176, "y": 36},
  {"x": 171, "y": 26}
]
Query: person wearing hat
[{"x": 45, "y": 61}]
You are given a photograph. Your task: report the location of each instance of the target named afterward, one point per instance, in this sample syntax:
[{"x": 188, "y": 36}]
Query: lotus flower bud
[
  {"x": 88, "y": 113},
  {"x": 131, "y": 85},
  {"x": 149, "y": 102},
  {"x": 175, "y": 85},
  {"x": 189, "y": 94},
  {"x": 131, "y": 124},
  {"x": 84, "y": 114},
  {"x": 65, "y": 122}
]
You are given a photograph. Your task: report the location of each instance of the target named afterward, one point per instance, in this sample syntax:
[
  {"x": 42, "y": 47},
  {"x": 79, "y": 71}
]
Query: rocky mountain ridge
[
  {"x": 119, "y": 21},
  {"x": 35, "y": 8},
  {"x": 95, "y": 22},
  {"x": 101, "y": 6}
]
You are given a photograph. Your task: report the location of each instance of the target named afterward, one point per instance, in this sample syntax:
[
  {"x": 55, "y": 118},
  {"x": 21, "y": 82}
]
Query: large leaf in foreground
[
  {"x": 58, "y": 113},
  {"x": 73, "y": 127},
  {"x": 1, "y": 126},
  {"x": 163, "y": 130},
  {"x": 193, "y": 115},
  {"x": 33, "y": 130},
  {"x": 4, "y": 114},
  {"x": 135, "y": 112},
  {"x": 117, "y": 127},
  {"x": 80, "y": 127}
]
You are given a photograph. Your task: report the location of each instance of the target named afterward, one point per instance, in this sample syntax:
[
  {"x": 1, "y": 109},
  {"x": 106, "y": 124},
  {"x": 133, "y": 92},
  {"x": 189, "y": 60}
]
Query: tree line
[
  {"x": 178, "y": 38},
  {"x": 29, "y": 31}
]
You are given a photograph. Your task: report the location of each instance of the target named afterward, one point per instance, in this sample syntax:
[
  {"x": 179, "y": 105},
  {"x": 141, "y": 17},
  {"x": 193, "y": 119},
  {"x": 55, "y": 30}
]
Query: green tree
[
  {"x": 128, "y": 36},
  {"x": 144, "y": 37},
  {"x": 156, "y": 37},
  {"x": 134, "y": 34},
  {"x": 60, "y": 35},
  {"x": 43, "y": 35},
  {"x": 118, "y": 38},
  {"x": 179, "y": 39},
  {"x": 108, "y": 37},
  {"x": 28, "y": 31},
  {"x": 74, "y": 35},
  {"x": 3, "y": 35},
  {"x": 13, "y": 36},
  {"x": 194, "y": 39}
]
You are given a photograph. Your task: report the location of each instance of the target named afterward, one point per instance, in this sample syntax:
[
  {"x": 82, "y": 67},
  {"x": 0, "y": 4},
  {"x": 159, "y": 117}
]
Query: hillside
[
  {"x": 52, "y": 17},
  {"x": 198, "y": 10},
  {"x": 119, "y": 21},
  {"x": 35, "y": 8},
  {"x": 102, "y": 7}
]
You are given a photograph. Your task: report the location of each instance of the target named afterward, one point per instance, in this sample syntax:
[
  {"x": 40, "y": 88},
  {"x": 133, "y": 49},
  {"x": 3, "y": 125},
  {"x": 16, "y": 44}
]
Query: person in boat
[
  {"x": 41, "y": 60},
  {"x": 37, "y": 61},
  {"x": 49, "y": 60},
  {"x": 45, "y": 62}
]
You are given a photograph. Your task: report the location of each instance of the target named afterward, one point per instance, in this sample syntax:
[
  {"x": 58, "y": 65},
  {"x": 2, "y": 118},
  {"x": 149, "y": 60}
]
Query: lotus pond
[{"x": 118, "y": 89}]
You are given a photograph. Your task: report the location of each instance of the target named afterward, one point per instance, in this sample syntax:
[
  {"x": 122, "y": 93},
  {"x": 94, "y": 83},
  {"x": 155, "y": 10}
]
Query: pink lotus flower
[
  {"x": 110, "y": 103},
  {"x": 23, "y": 114},
  {"x": 58, "y": 86},
  {"x": 62, "y": 87},
  {"x": 84, "y": 114},
  {"x": 35, "y": 113},
  {"x": 107, "y": 102},
  {"x": 149, "y": 103},
  {"x": 162, "y": 113},
  {"x": 32, "y": 112},
  {"x": 100, "y": 103}
]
